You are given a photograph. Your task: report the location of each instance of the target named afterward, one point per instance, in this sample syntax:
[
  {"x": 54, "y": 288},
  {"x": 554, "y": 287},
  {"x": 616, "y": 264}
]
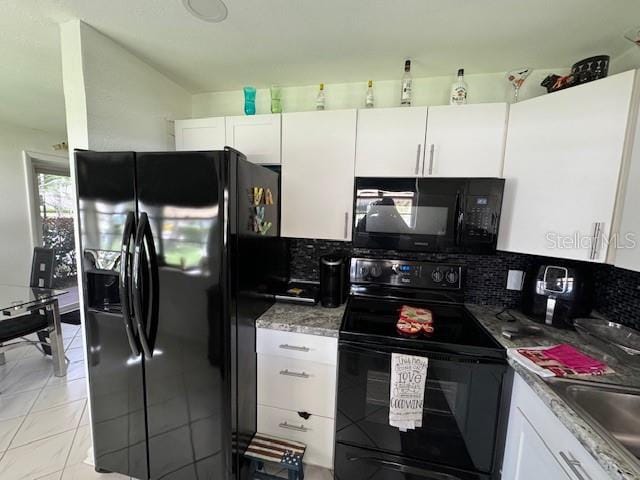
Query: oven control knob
[
  {"x": 452, "y": 276},
  {"x": 364, "y": 271},
  {"x": 376, "y": 271},
  {"x": 437, "y": 275}
]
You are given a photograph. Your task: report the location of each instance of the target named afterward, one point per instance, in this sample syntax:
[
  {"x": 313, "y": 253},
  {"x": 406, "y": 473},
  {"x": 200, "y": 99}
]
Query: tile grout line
[
  {"x": 46, "y": 436},
  {"x": 24, "y": 417},
  {"x": 75, "y": 435},
  {"x": 23, "y": 420}
]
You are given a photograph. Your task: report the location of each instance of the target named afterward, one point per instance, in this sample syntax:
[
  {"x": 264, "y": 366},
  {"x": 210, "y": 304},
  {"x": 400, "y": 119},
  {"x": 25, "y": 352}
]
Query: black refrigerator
[{"x": 180, "y": 251}]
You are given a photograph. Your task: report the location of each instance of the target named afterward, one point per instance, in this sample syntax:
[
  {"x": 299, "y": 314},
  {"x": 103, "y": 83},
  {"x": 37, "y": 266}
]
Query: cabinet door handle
[
  {"x": 575, "y": 466},
  {"x": 296, "y": 348},
  {"x": 346, "y": 224},
  {"x": 432, "y": 147},
  {"x": 297, "y": 428},
  {"x": 289, "y": 373},
  {"x": 598, "y": 227},
  {"x": 418, "y": 158}
]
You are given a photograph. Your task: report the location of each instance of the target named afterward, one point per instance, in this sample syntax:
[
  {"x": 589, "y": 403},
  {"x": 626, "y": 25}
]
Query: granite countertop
[
  {"x": 312, "y": 320},
  {"x": 612, "y": 460}
]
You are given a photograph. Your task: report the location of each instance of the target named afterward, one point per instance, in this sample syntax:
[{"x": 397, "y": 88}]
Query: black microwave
[{"x": 453, "y": 215}]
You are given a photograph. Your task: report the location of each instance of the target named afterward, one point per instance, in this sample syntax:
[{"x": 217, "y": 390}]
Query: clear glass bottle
[
  {"x": 368, "y": 99},
  {"x": 405, "y": 92},
  {"x": 459, "y": 90},
  {"x": 320, "y": 99}
]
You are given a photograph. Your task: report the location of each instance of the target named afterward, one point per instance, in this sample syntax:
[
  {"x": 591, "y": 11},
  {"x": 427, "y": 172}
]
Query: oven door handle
[
  {"x": 404, "y": 468},
  {"x": 441, "y": 356}
]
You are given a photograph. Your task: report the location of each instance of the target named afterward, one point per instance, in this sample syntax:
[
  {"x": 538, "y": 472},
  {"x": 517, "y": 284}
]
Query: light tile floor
[{"x": 44, "y": 422}]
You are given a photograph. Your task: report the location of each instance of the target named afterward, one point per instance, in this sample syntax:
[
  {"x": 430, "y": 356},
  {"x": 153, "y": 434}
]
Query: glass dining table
[{"x": 16, "y": 300}]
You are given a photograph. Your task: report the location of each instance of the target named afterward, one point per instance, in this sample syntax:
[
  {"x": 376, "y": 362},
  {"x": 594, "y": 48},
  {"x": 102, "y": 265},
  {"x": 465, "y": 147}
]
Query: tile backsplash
[{"x": 617, "y": 291}]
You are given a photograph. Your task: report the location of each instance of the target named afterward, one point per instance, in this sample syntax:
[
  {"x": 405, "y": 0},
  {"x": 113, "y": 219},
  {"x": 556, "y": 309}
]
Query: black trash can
[{"x": 333, "y": 281}]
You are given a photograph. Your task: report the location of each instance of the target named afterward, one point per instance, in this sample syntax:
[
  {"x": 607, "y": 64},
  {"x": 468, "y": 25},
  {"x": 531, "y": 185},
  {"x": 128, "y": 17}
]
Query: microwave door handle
[{"x": 459, "y": 218}]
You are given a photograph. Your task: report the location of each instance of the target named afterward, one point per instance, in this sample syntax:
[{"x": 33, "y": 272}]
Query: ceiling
[{"x": 295, "y": 42}]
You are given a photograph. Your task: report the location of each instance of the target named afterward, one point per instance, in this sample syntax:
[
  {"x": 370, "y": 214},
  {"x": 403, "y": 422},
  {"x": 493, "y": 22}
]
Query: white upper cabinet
[
  {"x": 563, "y": 160},
  {"x": 200, "y": 134},
  {"x": 390, "y": 142},
  {"x": 466, "y": 140},
  {"x": 627, "y": 253},
  {"x": 257, "y": 136},
  {"x": 318, "y": 157}
]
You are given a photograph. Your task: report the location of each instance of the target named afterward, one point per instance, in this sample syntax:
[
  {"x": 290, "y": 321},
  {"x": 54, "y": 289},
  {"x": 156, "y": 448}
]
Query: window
[{"x": 55, "y": 211}]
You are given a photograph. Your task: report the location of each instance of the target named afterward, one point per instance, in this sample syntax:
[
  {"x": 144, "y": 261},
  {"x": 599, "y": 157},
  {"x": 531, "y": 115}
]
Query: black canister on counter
[{"x": 333, "y": 280}]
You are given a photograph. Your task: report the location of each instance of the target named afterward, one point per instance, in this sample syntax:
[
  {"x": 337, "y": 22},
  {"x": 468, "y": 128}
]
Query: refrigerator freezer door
[
  {"x": 106, "y": 197},
  {"x": 188, "y": 372}
]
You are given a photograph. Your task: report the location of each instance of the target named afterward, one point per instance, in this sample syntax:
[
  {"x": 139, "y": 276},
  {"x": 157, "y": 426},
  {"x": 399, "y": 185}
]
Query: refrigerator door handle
[
  {"x": 125, "y": 287},
  {"x": 144, "y": 246}
]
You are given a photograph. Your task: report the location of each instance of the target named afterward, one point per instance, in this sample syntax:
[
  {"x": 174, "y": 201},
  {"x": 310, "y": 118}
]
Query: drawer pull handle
[
  {"x": 297, "y": 428},
  {"x": 575, "y": 466},
  {"x": 294, "y": 347},
  {"x": 289, "y": 373}
]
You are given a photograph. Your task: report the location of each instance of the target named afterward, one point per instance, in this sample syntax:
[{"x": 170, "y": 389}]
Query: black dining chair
[{"x": 31, "y": 322}]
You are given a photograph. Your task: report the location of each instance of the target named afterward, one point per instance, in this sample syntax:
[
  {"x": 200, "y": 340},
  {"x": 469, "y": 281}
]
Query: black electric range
[{"x": 466, "y": 391}]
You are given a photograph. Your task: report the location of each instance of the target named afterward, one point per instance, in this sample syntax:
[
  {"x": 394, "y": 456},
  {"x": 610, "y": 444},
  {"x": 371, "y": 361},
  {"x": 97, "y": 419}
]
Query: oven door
[
  {"x": 407, "y": 213},
  {"x": 460, "y": 416}
]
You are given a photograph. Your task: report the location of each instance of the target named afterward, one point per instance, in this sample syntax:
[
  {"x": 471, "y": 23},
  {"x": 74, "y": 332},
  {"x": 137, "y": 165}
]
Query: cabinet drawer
[
  {"x": 297, "y": 385},
  {"x": 560, "y": 441},
  {"x": 315, "y": 432},
  {"x": 313, "y": 348}
]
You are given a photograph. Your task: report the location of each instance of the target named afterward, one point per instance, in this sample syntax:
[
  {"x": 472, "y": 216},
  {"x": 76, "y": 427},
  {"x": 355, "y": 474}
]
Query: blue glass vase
[{"x": 249, "y": 100}]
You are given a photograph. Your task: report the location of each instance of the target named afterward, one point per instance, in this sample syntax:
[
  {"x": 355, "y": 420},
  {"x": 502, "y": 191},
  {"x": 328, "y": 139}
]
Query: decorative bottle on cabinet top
[
  {"x": 368, "y": 99},
  {"x": 459, "y": 90},
  {"x": 320, "y": 99},
  {"x": 405, "y": 92}
]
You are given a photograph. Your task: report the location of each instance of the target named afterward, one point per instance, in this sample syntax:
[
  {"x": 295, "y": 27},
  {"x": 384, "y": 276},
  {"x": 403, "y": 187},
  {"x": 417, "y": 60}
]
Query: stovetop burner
[{"x": 374, "y": 305}]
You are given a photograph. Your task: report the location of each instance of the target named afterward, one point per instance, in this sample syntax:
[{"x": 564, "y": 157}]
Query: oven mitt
[{"x": 413, "y": 320}]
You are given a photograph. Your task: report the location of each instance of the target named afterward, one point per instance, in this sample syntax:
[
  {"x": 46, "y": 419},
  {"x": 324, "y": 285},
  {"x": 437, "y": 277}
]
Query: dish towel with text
[{"x": 406, "y": 398}]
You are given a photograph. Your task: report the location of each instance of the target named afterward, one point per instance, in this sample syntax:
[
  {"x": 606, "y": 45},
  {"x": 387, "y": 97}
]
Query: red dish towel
[{"x": 575, "y": 360}]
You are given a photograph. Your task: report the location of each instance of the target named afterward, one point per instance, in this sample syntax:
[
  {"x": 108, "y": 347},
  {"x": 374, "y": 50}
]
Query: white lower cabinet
[
  {"x": 539, "y": 446},
  {"x": 297, "y": 390},
  {"x": 316, "y": 432},
  {"x": 527, "y": 456},
  {"x": 297, "y": 385}
]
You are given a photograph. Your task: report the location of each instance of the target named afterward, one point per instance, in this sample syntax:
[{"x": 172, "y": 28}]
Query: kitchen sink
[{"x": 612, "y": 410}]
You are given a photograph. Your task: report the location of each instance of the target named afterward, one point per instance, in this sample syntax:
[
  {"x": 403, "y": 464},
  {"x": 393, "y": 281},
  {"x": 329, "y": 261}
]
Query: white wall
[
  {"x": 491, "y": 87},
  {"x": 114, "y": 100},
  {"x": 628, "y": 60},
  {"x": 15, "y": 220}
]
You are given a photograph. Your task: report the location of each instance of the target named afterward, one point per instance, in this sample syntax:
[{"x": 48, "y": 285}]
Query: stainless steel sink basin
[{"x": 612, "y": 410}]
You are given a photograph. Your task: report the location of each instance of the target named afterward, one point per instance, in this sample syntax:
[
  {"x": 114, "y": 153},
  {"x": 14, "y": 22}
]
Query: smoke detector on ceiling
[{"x": 213, "y": 11}]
